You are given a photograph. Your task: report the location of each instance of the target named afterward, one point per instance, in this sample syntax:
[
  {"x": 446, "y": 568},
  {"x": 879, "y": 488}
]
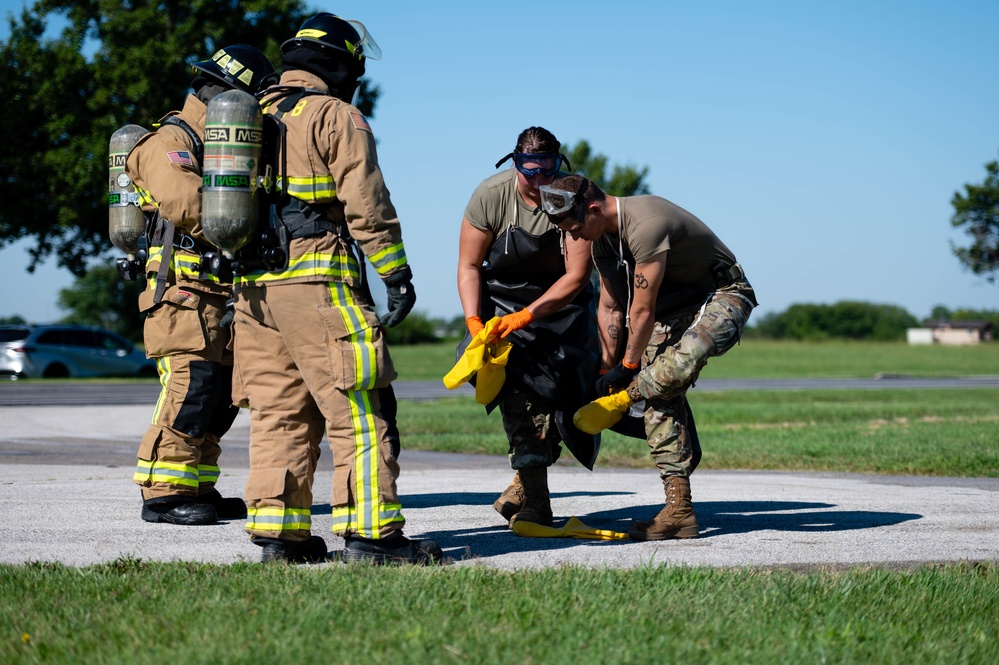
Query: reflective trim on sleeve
[{"x": 388, "y": 259}]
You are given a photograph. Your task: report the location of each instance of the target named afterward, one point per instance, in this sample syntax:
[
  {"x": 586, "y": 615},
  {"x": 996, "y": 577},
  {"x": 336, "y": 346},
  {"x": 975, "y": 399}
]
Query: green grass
[
  {"x": 131, "y": 611},
  {"x": 911, "y": 432},
  {"x": 767, "y": 359},
  {"x": 134, "y": 612}
]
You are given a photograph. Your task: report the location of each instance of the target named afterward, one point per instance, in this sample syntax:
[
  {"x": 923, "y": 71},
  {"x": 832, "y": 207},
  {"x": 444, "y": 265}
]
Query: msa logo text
[
  {"x": 216, "y": 133},
  {"x": 249, "y": 135},
  {"x": 227, "y": 181},
  {"x": 116, "y": 161}
]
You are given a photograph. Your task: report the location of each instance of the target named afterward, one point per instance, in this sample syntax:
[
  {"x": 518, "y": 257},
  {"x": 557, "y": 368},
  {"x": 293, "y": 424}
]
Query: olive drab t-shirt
[
  {"x": 496, "y": 205},
  {"x": 650, "y": 225}
]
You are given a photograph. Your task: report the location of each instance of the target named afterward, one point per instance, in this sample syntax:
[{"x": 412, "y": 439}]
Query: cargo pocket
[
  {"x": 174, "y": 324},
  {"x": 266, "y": 484},
  {"x": 359, "y": 358}
]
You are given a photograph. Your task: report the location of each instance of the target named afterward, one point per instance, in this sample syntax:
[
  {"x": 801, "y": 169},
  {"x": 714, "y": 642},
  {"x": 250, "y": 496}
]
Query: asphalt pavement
[{"x": 66, "y": 495}]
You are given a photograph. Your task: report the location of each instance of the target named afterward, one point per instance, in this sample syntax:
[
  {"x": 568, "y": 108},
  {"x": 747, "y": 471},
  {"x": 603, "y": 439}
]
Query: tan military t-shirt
[
  {"x": 496, "y": 205},
  {"x": 650, "y": 225}
]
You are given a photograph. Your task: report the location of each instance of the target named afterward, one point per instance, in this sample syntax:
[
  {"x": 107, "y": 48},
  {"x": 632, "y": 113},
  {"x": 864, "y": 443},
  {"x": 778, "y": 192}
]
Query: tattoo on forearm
[
  {"x": 640, "y": 281},
  {"x": 613, "y": 331}
]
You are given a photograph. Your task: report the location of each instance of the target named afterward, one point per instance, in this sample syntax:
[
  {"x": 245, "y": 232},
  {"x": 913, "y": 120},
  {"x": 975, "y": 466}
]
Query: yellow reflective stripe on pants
[
  {"x": 388, "y": 259},
  {"x": 365, "y": 356},
  {"x": 164, "y": 369},
  {"x": 278, "y": 519},
  {"x": 368, "y": 516},
  {"x": 165, "y": 472},
  {"x": 208, "y": 474}
]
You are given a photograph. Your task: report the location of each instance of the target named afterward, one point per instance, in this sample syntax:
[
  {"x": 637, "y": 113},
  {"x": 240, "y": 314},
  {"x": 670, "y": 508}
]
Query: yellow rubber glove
[
  {"x": 574, "y": 528},
  {"x": 493, "y": 372},
  {"x": 602, "y": 413},
  {"x": 483, "y": 347},
  {"x": 515, "y": 321}
]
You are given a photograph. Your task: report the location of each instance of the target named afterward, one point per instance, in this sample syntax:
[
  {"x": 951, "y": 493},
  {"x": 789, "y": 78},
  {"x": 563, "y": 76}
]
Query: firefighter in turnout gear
[
  {"x": 185, "y": 306},
  {"x": 310, "y": 353}
]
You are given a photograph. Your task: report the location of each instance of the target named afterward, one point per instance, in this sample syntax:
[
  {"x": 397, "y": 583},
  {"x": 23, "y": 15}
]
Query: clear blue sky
[{"x": 821, "y": 141}]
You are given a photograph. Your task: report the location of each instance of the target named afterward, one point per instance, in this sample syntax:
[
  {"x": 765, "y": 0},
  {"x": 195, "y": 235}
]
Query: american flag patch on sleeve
[
  {"x": 182, "y": 157},
  {"x": 360, "y": 122}
]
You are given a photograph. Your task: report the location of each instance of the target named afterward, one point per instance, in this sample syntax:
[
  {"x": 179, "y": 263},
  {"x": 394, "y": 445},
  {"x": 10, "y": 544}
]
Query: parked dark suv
[{"x": 58, "y": 350}]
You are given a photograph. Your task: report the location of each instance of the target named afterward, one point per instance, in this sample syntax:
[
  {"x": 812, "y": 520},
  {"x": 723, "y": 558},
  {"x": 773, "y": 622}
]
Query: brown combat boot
[
  {"x": 676, "y": 520},
  {"x": 512, "y": 498},
  {"x": 537, "y": 505}
]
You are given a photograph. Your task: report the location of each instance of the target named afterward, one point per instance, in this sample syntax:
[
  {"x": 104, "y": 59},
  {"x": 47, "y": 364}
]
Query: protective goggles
[
  {"x": 545, "y": 163},
  {"x": 556, "y": 202}
]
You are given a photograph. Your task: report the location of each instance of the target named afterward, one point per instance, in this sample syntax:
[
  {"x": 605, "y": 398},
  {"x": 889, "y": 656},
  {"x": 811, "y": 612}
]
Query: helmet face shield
[
  {"x": 329, "y": 31},
  {"x": 546, "y": 164}
]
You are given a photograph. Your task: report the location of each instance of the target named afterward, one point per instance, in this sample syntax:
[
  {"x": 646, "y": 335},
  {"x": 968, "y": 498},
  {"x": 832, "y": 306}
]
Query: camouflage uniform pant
[
  {"x": 677, "y": 352},
  {"x": 529, "y": 422}
]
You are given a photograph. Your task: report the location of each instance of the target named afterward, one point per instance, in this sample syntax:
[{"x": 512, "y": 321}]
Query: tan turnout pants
[{"x": 308, "y": 357}]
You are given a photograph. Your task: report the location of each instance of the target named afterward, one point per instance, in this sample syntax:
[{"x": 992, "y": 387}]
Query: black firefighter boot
[
  {"x": 537, "y": 505},
  {"x": 676, "y": 520},
  {"x": 184, "y": 510},
  {"x": 393, "y": 550},
  {"x": 312, "y": 550},
  {"x": 228, "y": 508},
  {"x": 512, "y": 498}
]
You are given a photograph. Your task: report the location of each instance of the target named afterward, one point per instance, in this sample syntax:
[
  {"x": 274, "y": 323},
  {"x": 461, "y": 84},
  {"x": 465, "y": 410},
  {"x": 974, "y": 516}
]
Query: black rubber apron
[{"x": 556, "y": 357}]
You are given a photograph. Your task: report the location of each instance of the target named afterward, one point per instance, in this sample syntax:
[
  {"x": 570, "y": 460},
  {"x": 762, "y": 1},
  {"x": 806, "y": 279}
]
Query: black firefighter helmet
[{"x": 238, "y": 66}]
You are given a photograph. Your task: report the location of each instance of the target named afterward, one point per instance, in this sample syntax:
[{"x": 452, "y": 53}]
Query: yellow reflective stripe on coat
[
  {"x": 329, "y": 266},
  {"x": 208, "y": 473},
  {"x": 189, "y": 266},
  {"x": 145, "y": 198},
  {"x": 309, "y": 188},
  {"x": 269, "y": 518},
  {"x": 388, "y": 259},
  {"x": 165, "y": 472}
]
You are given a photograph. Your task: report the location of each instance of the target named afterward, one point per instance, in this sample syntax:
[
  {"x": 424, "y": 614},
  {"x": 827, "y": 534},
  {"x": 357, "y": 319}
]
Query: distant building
[{"x": 952, "y": 333}]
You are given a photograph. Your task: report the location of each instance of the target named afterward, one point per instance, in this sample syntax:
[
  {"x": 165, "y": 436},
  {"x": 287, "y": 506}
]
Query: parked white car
[{"x": 60, "y": 350}]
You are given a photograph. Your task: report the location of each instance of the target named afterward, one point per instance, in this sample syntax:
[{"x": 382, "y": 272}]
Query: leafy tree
[
  {"x": 843, "y": 320},
  {"x": 417, "y": 328},
  {"x": 941, "y": 313},
  {"x": 977, "y": 211},
  {"x": 101, "y": 298},
  {"x": 8, "y": 320},
  {"x": 625, "y": 180},
  {"x": 115, "y": 63}
]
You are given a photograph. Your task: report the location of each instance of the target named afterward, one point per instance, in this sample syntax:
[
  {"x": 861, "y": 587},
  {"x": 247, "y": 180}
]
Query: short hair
[
  {"x": 538, "y": 141},
  {"x": 572, "y": 183}
]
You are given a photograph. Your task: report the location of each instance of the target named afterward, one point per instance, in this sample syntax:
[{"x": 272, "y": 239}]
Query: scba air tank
[
  {"x": 233, "y": 149},
  {"x": 126, "y": 223}
]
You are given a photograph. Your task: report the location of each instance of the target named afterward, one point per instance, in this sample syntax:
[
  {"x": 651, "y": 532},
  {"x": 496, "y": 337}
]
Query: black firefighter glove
[
  {"x": 401, "y": 297},
  {"x": 616, "y": 379}
]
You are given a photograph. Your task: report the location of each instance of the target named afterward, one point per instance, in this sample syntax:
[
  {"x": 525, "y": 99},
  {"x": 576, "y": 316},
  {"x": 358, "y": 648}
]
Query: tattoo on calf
[{"x": 613, "y": 331}]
